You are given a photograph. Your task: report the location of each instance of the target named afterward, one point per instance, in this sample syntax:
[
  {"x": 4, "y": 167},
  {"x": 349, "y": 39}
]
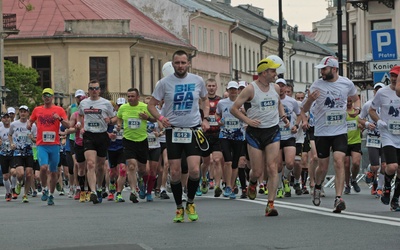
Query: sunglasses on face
[
  {"x": 47, "y": 95},
  {"x": 94, "y": 88}
]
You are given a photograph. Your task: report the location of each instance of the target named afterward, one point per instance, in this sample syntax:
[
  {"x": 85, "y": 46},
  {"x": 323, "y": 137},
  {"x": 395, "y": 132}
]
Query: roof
[
  {"x": 48, "y": 16},
  {"x": 194, "y": 6}
]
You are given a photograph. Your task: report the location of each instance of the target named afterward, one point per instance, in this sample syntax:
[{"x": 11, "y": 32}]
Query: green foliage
[{"x": 22, "y": 81}]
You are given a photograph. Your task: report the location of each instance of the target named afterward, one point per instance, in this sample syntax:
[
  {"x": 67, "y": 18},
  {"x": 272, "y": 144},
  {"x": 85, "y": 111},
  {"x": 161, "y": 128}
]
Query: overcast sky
[{"x": 300, "y": 12}]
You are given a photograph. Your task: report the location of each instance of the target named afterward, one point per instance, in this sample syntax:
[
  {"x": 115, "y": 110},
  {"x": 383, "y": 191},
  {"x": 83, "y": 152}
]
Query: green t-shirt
[
  {"x": 353, "y": 131},
  {"x": 73, "y": 109},
  {"x": 135, "y": 129}
]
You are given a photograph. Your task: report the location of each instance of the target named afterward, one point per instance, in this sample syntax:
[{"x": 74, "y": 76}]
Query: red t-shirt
[{"x": 47, "y": 127}]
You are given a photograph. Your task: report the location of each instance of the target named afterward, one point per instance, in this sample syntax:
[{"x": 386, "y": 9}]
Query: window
[
  {"x": 254, "y": 62},
  {"x": 13, "y": 59},
  {"x": 220, "y": 44},
  {"x": 313, "y": 75},
  {"x": 200, "y": 40},
  {"x": 152, "y": 74},
  {"x": 300, "y": 70},
  {"x": 240, "y": 58},
  {"x": 354, "y": 41},
  {"x": 133, "y": 65},
  {"x": 226, "y": 44},
  {"x": 249, "y": 60},
  {"x": 205, "y": 40},
  {"x": 211, "y": 41},
  {"x": 245, "y": 60},
  {"x": 141, "y": 74},
  {"x": 258, "y": 58},
  {"x": 236, "y": 57},
  {"x": 42, "y": 64},
  {"x": 98, "y": 71},
  {"x": 160, "y": 65},
  {"x": 193, "y": 38},
  {"x": 294, "y": 70},
  {"x": 307, "y": 72}
]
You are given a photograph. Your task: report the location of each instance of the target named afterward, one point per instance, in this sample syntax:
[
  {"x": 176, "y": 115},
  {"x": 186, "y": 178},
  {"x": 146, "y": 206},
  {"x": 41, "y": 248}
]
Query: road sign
[
  {"x": 382, "y": 66},
  {"x": 382, "y": 77},
  {"x": 383, "y": 44}
]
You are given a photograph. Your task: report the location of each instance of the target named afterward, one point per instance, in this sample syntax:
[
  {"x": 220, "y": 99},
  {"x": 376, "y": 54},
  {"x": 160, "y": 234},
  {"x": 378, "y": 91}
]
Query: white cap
[
  {"x": 242, "y": 84},
  {"x": 281, "y": 80},
  {"x": 121, "y": 101},
  {"x": 80, "y": 92},
  {"x": 328, "y": 61},
  {"x": 168, "y": 69},
  {"x": 11, "y": 110},
  {"x": 232, "y": 84},
  {"x": 24, "y": 107},
  {"x": 379, "y": 84}
]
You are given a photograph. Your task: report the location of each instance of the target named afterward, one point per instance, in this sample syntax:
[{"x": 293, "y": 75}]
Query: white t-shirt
[
  {"x": 292, "y": 110},
  {"x": 20, "y": 135},
  {"x": 389, "y": 104},
  {"x": 233, "y": 127},
  {"x": 181, "y": 99},
  {"x": 329, "y": 109},
  {"x": 364, "y": 114},
  {"x": 264, "y": 106},
  {"x": 94, "y": 113}
]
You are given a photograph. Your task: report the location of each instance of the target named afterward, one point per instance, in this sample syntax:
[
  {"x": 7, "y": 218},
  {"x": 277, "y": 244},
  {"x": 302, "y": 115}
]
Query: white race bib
[
  {"x": 152, "y": 140},
  {"x": 93, "y": 126},
  {"x": 373, "y": 141},
  {"x": 268, "y": 104},
  {"x": 351, "y": 125},
  {"x": 284, "y": 130},
  {"x": 182, "y": 135},
  {"x": 231, "y": 123},
  {"x": 394, "y": 127},
  {"x": 213, "y": 121},
  {"x": 134, "y": 123},
  {"x": 334, "y": 118},
  {"x": 49, "y": 136}
]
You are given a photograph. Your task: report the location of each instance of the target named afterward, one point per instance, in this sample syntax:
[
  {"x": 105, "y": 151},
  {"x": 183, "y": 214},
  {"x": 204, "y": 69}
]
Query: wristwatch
[{"x": 207, "y": 118}]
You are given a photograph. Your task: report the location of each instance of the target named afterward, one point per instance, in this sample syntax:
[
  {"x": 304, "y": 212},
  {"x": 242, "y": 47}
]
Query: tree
[{"x": 22, "y": 83}]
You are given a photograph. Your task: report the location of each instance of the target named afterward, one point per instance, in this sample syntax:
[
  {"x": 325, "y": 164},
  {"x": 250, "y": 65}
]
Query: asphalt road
[{"x": 222, "y": 224}]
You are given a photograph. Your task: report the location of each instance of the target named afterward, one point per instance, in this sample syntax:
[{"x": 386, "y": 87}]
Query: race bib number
[
  {"x": 284, "y": 130},
  {"x": 134, "y": 123},
  {"x": 22, "y": 138},
  {"x": 182, "y": 135},
  {"x": 93, "y": 126},
  {"x": 373, "y": 141},
  {"x": 49, "y": 136},
  {"x": 334, "y": 118},
  {"x": 213, "y": 121},
  {"x": 152, "y": 140},
  {"x": 232, "y": 123},
  {"x": 394, "y": 127},
  {"x": 351, "y": 125},
  {"x": 268, "y": 104}
]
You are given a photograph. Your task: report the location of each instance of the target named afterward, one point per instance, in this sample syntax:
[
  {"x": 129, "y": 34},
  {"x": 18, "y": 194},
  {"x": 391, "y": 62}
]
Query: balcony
[{"x": 10, "y": 24}]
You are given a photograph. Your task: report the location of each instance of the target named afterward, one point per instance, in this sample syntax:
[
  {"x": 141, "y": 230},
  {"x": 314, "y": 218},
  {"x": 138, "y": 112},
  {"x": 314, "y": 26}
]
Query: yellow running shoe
[
  {"x": 25, "y": 199},
  {"x": 279, "y": 194},
  {"x": 179, "y": 217},
  {"x": 87, "y": 198},
  {"x": 191, "y": 212},
  {"x": 82, "y": 196}
]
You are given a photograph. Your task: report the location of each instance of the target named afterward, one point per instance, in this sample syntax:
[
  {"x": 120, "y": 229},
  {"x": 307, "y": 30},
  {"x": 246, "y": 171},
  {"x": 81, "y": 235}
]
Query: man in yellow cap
[{"x": 262, "y": 133}]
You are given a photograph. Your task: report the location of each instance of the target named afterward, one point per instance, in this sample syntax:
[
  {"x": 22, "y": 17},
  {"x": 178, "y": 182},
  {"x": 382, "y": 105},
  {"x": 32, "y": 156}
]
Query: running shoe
[
  {"x": 369, "y": 177},
  {"x": 217, "y": 191},
  {"x": 385, "y": 198},
  {"x": 14, "y": 196},
  {"x": 252, "y": 191},
  {"x": 25, "y": 199},
  {"x": 34, "y": 193},
  {"x": 235, "y": 189},
  {"x": 119, "y": 198},
  {"x": 286, "y": 188},
  {"x": 316, "y": 199},
  {"x": 71, "y": 192},
  {"x": 133, "y": 197},
  {"x": 347, "y": 189},
  {"x": 149, "y": 198},
  {"x": 104, "y": 193},
  {"x": 211, "y": 185},
  {"x": 87, "y": 198},
  {"x": 356, "y": 186},
  {"x": 204, "y": 186},
  {"x": 279, "y": 193},
  {"x": 45, "y": 195},
  {"x": 50, "y": 200},
  {"x": 77, "y": 195},
  {"x": 198, "y": 191},
  {"x": 373, "y": 190},
  {"x": 191, "y": 212},
  {"x": 261, "y": 189},
  {"x": 8, "y": 197},
  {"x": 29, "y": 193},
  {"x": 227, "y": 192},
  {"x": 270, "y": 210},
  {"x": 100, "y": 195},
  {"x": 244, "y": 194},
  {"x": 58, "y": 187},
  {"x": 110, "y": 197},
  {"x": 164, "y": 195},
  {"x": 18, "y": 188},
  {"x": 157, "y": 193},
  {"x": 94, "y": 198},
  {"x": 179, "y": 215},
  {"x": 379, "y": 192},
  {"x": 62, "y": 192},
  {"x": 142, "y": 189},
  {"x": 266, "y": 190},
  {"x": 394, "y": 204},
  {"x": 232, "y": 196},
  {"x": 39, "y": 187},
  {"x": 82, "y": 196},
  {"x": 184, "y": 196},
  {"x": 297, "y": 189},
  {"x": 112, "y": 188},
  {"x": 305, "y": 190},
  {"x": 339, "y": 205}
]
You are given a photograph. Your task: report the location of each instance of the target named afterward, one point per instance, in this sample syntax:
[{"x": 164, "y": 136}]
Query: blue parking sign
[{"x": 383, "y": 44}]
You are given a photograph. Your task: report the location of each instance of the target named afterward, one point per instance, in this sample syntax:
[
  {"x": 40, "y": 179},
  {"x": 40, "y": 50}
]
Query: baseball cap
[
  {"x": 242, "y": 84},
  {"x": 80, "y": 92},
  {"x": 265, "y": 64},
  {"x": 24, "y": 107},
  {"x": 168, "y": 69},
  {"x": 328, "y": 61},
  {"x": 11, "y": 110},
  {"x": 121, "y": 101},
  {"x": 395, "y": 70},
  {"x": 4, "y": 115},
  {"x": 379, "y": 85},
  {"x": 232, "y": 85},
  {"x": 48, "y": 91},
  {"x": 280, "y": 80}
]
